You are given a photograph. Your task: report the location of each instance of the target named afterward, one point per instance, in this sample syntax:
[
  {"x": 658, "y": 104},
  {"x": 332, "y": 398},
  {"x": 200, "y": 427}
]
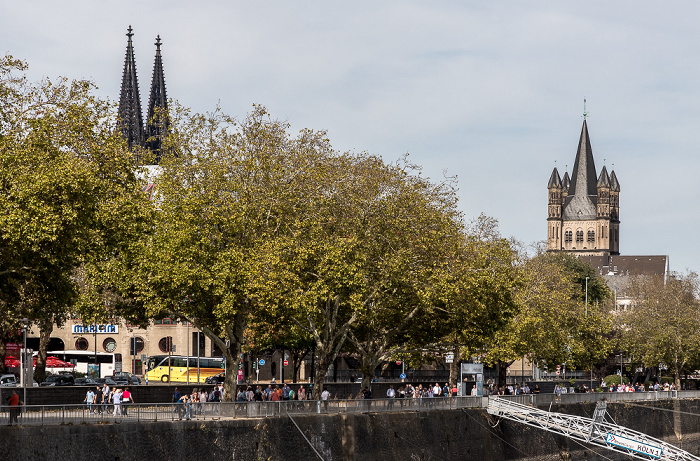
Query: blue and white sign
[
  {"x": 261, "y": 362},
  {"x": 403, "y": 376},
  {"x": 92, "y": 329},
  {"x": 631, "y": 444}
]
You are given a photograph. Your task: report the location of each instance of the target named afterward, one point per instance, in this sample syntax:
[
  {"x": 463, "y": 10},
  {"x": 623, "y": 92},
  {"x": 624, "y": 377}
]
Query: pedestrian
[
  {"x": 117, "y": 400},
  {"x": 127, "y": 399},
  {"x": 14, "y": 403},
  {"x": 99, "y": 400},
  {"x": 89, "y": 399}
]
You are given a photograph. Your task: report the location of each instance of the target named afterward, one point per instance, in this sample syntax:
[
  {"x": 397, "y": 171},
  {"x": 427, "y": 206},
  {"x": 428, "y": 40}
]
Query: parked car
[
  {"x": 64, "y": 379},
  {"x": 85, "y": 382},
  {"x": 108, "y": 381},
  {"x": 216, "y": 379},
  {"x": 9, "y": 380},
  {"x": 124, "y": 378}
]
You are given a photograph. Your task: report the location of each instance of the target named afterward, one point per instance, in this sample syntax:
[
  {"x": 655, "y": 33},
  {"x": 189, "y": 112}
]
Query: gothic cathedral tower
[
  {"x": 584, "y": 210},
  {"x": 131, "y": 125}
]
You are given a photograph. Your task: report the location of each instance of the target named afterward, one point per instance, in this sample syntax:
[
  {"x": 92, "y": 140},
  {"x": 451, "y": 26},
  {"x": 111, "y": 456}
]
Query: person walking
[
  {"x": 127, "y": 399},
  {"x": 89, "y": 400},
  {"x": 117, "y": 400},
  {"x": 14, "y": 403}
]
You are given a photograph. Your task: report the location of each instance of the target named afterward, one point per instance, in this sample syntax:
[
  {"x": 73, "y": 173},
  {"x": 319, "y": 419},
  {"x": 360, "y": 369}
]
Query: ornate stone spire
[
  {"x": 158, "y": 122},
  {"x": 130, "y": 119},
  {"x": 583, "y": 191}
]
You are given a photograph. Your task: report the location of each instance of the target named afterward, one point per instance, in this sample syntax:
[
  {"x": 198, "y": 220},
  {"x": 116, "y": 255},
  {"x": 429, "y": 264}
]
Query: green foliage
[
  {"x": 663, "y": 325},
  {"x": 69, "y": 195},
  {"x": 615, "y": 379}
]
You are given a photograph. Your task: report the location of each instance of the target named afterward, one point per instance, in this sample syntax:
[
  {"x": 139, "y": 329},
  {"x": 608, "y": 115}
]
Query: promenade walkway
[{"x": 104, "y": 414}]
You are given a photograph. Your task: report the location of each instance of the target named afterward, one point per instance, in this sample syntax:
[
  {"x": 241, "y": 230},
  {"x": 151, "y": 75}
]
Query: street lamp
[{"x": 25, "y": 325}]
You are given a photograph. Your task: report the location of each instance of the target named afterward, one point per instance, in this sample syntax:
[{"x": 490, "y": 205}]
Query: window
[
  {"x": 109, "y": 345},
  {"x": 591, "y": 236},
  {"x": 567, "y": 236},
  {"x": 579, "y": 236},
  {"x": 136, "y": 343},
  {"x": 166, "y": 344},
  {"x": 165, "y": 321},
  {"x": 81, "y": 344}
]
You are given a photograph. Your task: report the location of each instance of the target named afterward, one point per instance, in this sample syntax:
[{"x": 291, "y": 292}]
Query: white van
[{"x": 8, "y": 381}]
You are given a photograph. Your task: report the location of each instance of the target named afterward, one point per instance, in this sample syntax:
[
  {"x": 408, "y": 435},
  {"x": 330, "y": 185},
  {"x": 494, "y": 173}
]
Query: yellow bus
[{"x": 174, "y": 368}]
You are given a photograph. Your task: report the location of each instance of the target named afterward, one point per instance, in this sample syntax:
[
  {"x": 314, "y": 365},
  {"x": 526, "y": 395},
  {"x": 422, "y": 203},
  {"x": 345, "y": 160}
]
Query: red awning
[
  {"x": 55, "y": 362},
  {"x": 11, "y": 362}
]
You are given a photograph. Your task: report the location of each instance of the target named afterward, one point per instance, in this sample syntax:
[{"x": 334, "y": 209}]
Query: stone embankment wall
[{"x": 463, "y": 435}]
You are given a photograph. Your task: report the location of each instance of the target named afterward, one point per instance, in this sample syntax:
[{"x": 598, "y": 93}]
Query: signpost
[
  {"x": 450, "y": 358},
  {"x": 634, "y": 445}
]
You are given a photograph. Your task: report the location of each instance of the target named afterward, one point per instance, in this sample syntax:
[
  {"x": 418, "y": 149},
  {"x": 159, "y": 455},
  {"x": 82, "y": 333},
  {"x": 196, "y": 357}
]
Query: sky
[{"x": 491, "y": 92}]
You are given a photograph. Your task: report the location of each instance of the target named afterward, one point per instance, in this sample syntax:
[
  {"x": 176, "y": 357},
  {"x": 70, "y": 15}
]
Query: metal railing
[{"x": 151, "y": 412}]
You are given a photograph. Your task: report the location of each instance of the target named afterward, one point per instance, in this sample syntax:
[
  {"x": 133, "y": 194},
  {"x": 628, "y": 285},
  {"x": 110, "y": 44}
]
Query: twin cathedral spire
[{"x": 137, "y": 134}]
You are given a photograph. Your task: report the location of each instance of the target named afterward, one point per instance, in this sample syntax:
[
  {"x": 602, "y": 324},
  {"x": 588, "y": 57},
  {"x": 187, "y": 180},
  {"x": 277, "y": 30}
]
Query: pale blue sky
[{"x": 489, "y": 91}]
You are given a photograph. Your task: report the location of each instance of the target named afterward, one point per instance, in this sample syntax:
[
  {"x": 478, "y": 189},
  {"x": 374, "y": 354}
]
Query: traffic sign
[
  {"x": 398, "y": 362},
  {"x": 403, "y": 376},
  {"x": 286, "y": 362},
  {"x": 261, "y": 362}
]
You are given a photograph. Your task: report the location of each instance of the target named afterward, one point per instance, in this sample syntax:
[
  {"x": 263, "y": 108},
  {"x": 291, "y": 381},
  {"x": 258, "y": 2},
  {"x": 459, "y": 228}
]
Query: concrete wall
[{"x": 464, "y": 435}]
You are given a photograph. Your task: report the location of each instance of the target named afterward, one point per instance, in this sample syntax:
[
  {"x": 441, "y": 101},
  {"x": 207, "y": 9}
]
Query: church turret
[
  {"x": 158, "y": 122},
  {"x": 603, "y": 187},
  {"x": 130, "y": 119},
  {"x": 614, "y": 214},
  {"x": 554, "y": 211}
]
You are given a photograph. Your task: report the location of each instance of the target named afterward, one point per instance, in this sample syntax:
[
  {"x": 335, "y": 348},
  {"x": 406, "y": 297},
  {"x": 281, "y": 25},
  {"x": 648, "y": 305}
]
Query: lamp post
[
  {"x": 25, "y": 325},
  {"x": 587, "y": 317}
]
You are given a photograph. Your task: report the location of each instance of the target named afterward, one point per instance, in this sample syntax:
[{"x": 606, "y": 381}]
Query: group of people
[
  {"x": 637, "y": 387},
  {"x": 409, "y": 391},
  {"x": 271, "y": 393},
  {"x": 195, "y": 402},
  {"x": 102, "y": 400}
]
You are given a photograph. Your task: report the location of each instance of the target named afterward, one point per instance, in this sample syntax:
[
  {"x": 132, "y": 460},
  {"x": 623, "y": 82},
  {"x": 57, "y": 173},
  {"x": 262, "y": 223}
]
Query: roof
[
  {"x": 554, "y": 180},
  {"x": 613, "y": 182},
  {"x": 604, "y": 179},
  {"x": 566, "y": 182},
  {"x": 628, "y": 264},
  {"x": 581, "y": 205}
]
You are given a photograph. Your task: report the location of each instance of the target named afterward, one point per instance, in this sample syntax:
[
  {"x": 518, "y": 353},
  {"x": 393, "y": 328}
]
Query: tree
[
  {"x": 662, "y": 325},
  {"x": 228, "y": 202},
  {"x": 553, "y": 324},
  {"x": 68, "y": 193}
]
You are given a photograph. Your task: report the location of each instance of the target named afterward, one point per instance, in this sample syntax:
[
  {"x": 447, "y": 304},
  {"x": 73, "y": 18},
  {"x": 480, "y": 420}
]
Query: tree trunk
[
  {"x": 455, "y": 368},
  {"x": 3, "y": 353},
  {"x": 369, "y": 364},
  {"x": 45, "y": 330}
]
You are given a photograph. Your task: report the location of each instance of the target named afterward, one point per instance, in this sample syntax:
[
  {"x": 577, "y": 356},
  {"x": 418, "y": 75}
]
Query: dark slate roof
[
  {"x": 566, "y": 182},
  {"x": 604, "y": 179},
  {"x": 613, "y": 182},
  {"x": 632, "y": 265},
  {"x": 583, "y": 176},
  {"x": 554, "y": 180},
  {"x": 581, "y": 202}
]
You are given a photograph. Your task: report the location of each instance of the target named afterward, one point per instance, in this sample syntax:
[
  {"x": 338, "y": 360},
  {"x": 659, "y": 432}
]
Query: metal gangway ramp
[{"x": 594, "y": 431}]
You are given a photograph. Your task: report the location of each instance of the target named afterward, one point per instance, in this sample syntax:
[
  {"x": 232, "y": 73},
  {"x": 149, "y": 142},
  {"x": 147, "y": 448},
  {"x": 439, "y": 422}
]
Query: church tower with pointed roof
[
  {"x": 583, "y": 215},
  {"x": 137, "y": 134},
  {"x": 158, "y": 122},
  {"x": 130, "y": 119}
]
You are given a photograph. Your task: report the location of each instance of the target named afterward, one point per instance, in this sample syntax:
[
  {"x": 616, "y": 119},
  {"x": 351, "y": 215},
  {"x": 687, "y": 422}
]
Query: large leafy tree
[
  {"x": 69, "y": 195},
  {"x": 229, "y": 202},
  {"x": 553, "y": 324},
  {"x": 662, "y": 326}
]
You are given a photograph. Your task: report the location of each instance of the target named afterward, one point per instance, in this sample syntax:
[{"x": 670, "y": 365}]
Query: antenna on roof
[{"x": 585, "y": 114}]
